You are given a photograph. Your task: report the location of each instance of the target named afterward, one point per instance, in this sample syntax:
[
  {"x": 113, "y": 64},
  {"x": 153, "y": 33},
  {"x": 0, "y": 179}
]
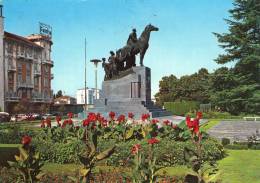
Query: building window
[
  {"x": 28, "y": 73},
  {"x": 19, "y": 72}
]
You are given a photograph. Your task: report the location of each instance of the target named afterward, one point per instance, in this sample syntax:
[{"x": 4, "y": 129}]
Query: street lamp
[{"x": 95, "y": 61}]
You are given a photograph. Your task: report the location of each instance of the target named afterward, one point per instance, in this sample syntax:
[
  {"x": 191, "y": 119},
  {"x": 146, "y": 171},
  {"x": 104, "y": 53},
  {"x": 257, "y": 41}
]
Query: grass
[
  {"x": 240, "y": 166},
  {"x": 211, "y": 123},
  {"x": 9, "y": 145}
]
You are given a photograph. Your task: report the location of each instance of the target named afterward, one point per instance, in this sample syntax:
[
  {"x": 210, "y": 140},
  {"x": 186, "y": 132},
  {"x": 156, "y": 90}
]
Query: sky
[{"x": 183, "y": 44}]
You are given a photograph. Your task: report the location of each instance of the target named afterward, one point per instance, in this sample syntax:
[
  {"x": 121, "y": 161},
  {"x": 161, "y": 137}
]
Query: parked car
[
  {"x": 4, "y": 117},
  {"x": 21, "y": 117}
]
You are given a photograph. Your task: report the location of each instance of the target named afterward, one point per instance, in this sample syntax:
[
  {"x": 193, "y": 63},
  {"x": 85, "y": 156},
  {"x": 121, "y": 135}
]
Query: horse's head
[{"x": 150, "y": 28}]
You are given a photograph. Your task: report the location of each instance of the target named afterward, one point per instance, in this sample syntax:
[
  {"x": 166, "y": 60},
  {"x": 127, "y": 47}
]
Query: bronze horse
[{"x": 127, "y": 53}]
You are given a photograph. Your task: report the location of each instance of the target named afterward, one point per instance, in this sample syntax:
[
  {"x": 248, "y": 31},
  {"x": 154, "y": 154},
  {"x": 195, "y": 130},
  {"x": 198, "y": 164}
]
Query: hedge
[
  {"x": 7, "y": 152},
  {"x": 181, "y": 108}
]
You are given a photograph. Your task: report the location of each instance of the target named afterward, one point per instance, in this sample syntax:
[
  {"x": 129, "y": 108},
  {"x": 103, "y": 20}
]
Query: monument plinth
[{"x": 130, "y": 93}]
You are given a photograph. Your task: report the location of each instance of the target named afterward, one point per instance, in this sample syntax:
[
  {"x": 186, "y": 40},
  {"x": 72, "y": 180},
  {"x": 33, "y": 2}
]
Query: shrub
[
  {"x": 167, "y": 152},
  {"x": 12, "y": 134},
  {"x": 181, "y": 108},
  {"x": 59, "y": 152},
  {"x": 225, "y": 141},
  {"x": 216, "y": 115}
]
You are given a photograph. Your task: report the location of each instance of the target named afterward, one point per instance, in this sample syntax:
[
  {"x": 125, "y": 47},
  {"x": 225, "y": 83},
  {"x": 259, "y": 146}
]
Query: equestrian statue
[{"x": 125, "y": 57}]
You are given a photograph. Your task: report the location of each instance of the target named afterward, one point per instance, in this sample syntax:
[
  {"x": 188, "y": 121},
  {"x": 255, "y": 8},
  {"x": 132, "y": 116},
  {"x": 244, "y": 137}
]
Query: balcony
[
  {"x": 37, "y": 97},
  {"x": 37, "y": 72},
  {"x": 24, "y": 85},
  {"x": 40, "y": 97},
  {"x": 12, "y": 96},
  {"x": 24, "y": 55},
  {"x": 50, "y": 62},
  {"x": 11, "y": 68}
]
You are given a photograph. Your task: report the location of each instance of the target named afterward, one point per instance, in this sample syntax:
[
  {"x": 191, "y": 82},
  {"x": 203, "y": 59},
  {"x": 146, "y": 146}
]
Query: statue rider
[{"x": 132, "y": 38}]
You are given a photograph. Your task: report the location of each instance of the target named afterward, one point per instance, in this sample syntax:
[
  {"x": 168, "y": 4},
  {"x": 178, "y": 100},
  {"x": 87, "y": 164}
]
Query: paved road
[{"x": 235, "y": 130}]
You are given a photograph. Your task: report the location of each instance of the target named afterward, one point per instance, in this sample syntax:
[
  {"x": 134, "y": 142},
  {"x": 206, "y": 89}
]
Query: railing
[
  {"x": 11, "y": 67},
  {"x": 40, "y": 97},
  {"x": 37, "y": 72},
  {"x": 12, "y": 96},
  {"x": 47, "y": 62},
  {"x": 24, "y": 85},
  {"x": 25, "y": 55}
]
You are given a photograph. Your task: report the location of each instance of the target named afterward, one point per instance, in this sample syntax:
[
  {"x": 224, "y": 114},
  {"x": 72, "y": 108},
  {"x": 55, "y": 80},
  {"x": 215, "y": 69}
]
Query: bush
[
  {"x": 7, "y": 153},
  {"x": 12, "y": 134},
  {"x": 216, "y": 115},
  {"x": 59, "y": 152},
  {"x": 237, "y": 146},
  {"x": 167, "y": 152},
  {"x": 181, "y": 108},
  {"x": 225, "y": 141}
]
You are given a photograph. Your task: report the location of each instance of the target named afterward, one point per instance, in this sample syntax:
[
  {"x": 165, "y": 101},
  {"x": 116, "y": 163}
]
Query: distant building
[
  {"x": 25, "y": 68},
  {"x": 65, "y": 100},
  {"x": 91, "y": 95}
]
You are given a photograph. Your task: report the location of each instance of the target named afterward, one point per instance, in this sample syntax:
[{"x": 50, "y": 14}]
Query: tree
[
  {"x": 193, "y": 87},
  {"x": 59, "y": 94},
  {"x": 242, "y": 46}
]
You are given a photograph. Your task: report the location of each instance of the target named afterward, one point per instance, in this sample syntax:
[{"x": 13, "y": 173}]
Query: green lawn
[
  {"x": 211, "y": 123},
  {"x": 240, "y": 166}
]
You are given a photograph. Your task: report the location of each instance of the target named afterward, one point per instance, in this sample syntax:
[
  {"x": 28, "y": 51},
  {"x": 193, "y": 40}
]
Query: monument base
[{"x": 128, "y": 93}]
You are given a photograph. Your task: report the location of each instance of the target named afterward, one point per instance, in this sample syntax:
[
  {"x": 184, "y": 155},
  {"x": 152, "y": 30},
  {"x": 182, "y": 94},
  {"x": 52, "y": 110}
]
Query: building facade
[
  {"x": 25, "y": 68},
  {"x": 91, "y": 95},
  {"x": 65, "y": 100}
]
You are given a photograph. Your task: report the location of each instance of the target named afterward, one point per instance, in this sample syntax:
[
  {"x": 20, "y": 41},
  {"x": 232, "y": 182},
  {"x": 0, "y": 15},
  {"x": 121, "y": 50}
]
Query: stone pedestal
[{"x": 129, "y": 92}]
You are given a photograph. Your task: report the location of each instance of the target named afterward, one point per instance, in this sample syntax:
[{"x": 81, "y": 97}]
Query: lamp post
[{"x": 95, "y": 61}]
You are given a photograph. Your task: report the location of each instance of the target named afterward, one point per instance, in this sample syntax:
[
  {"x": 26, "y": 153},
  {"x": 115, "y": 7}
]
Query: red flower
[
  {"x": 104, "y": 123},
  {"x": 131, "y": 115},
  {"x": 174, "y": 126},
  {"x": 58, "y": 119},
  {"x": 199, "y": 115},
  {"x": 145, "y": 117},
  {"x": 135, "y": 149},
  {"x": 196, "y": 125},
  {"x": 154, "y": 121},
  {"x": 121, "y": 118},
  {"x": 92, "y": 117},
  {"x": 153, "y": 141},
  {"x": 166, "y": 122},
  {"x": 70, "y": 115},
  {"x": 86, "y": 122},
  {"x": 69, "y": 121},
  {"x": 48, "y": 122},
  {"x": 26, "y": 140},
  {"x": 193, "y": 125},
  {"x": 188, "y": 122},
  {"x": 42, "y": 124},
  {"x": 112, "y": 115}
]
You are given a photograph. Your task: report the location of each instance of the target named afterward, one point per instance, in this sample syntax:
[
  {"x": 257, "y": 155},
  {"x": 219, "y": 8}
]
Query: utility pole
[{"x": 85, "y": 76}]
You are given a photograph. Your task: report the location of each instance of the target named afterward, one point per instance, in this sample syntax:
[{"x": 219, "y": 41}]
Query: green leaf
[
  {"x": 129, "y": 133},
  {"x": 84, "y": 171},
  {"x": 106, "y": 153},
  {"x": 23, "y": 154}
]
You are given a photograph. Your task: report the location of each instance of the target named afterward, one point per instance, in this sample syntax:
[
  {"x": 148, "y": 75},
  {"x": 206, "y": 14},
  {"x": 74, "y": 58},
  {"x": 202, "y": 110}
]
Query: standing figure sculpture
[
  {"x": 113, "y": 62},
  {"x": 107, "y": 69}
]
